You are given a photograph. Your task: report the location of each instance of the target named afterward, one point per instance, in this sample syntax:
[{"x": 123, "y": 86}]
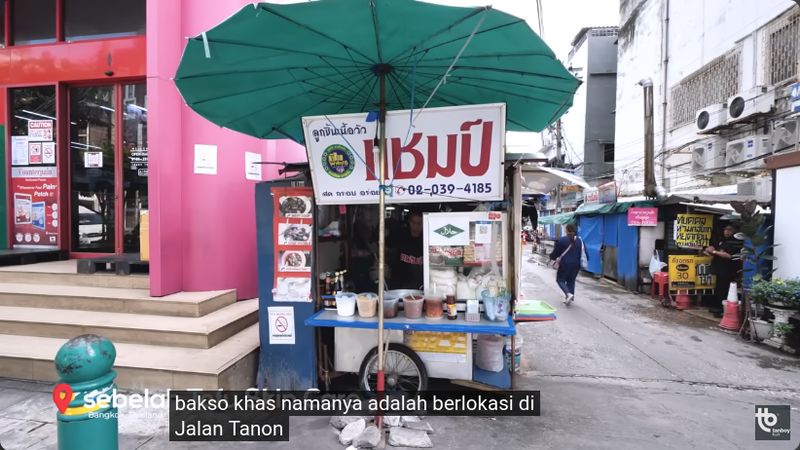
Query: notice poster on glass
[
  {"x": 34, "y": 153},
  {"x": 292, "y": 232},
  {"x": 48, "y": 152},
  {"x": 19, "y": 150},
  {"x": 35, "y": 197},
  {"x": 93, "y": 160}
]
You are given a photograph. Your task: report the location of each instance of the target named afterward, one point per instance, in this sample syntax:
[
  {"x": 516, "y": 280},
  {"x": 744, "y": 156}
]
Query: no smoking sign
[{"x": 281, "y": 324}]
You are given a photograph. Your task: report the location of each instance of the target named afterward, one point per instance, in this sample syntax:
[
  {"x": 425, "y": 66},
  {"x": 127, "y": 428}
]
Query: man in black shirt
[
  {"x": 724, "y": 266},
  {"x": 407, "y": 270}
]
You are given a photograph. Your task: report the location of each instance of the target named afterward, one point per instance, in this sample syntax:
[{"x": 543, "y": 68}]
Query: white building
[{"x": 700, "y": 54}]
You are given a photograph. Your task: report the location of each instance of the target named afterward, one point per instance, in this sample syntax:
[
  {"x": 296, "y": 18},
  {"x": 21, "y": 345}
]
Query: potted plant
[
  {"x": 783, "y": 299},
  {"x": 759, "y": 293}
]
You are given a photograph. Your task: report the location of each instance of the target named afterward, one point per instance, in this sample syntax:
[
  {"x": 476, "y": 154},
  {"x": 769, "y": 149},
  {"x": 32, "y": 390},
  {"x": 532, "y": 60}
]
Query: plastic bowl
[
  {"x": 345, "y": 304},
  {"x": 412, "y": 305},
  {"x": 390, "y": 306},
  {"x": 367, "y": 304},
  {"x": 433, "y": 306}
]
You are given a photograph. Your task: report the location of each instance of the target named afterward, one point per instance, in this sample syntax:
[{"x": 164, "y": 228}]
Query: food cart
[{"x": 467, "y": 254}]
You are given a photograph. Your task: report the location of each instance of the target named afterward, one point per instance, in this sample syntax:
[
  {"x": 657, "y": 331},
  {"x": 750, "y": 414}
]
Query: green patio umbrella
[{"x": 267, "y": 66}]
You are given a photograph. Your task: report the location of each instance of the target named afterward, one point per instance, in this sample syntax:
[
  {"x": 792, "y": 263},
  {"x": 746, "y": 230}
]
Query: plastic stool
[{"x": 660, "y": 284}]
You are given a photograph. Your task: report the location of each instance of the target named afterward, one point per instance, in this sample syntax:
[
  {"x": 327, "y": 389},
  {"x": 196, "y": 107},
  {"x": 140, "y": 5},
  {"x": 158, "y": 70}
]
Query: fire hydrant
[{"x": 87, "y": 416}]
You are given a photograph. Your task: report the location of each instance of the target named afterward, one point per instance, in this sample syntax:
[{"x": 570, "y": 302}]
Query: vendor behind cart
[{"x": 407, "y": 269}]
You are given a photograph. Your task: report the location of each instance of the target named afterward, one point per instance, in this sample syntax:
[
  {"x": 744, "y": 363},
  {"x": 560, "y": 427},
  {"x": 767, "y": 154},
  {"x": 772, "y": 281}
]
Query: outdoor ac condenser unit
[
  {"x": 742, "y": 155},
  {"x": 759, "y": 100},
  {"x": 785, "y": 134},
  {"x": 708, "y": 154},
  {"x": 711, "y": 117},
  {"x": 760, "y": 187}
]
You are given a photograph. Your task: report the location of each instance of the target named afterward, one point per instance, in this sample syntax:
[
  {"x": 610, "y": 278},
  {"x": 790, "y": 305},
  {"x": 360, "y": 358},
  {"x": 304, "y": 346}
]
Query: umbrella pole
[{"x": 381, "y": 239}]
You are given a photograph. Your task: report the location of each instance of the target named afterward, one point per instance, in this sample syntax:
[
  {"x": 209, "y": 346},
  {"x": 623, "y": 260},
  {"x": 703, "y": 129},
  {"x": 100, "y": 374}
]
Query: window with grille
[
  {"x": 713, "y": 83},
  {"x": 781, "y": 40}
]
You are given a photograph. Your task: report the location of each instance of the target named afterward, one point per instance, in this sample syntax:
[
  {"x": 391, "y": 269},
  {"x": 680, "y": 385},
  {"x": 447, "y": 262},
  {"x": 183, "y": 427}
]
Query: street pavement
[{"x": 616, "y": 370}]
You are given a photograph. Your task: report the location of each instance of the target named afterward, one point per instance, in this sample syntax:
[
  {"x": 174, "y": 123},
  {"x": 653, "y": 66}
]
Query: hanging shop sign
[
  {"x": 642, "y": 217},
  {"x": 36, "y": 209},
  {"x": 693, "y": 230},
  {"x": 607, "y": 193},
  {"x": 690, "y": 272},
  {"x": 436, "y": 155},
  {"x": 292, "y": 231}
]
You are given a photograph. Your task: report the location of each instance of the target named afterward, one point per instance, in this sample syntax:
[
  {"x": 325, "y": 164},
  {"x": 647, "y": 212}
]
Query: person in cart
[{"x": 407, "y": 268}]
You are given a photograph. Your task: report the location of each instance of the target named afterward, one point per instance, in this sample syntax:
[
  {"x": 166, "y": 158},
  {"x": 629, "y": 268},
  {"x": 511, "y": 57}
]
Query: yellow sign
[
  {"x": 433, "y": 342},
  {"x": 693, "y": 230},
  {"x": 690, "y": 272}
]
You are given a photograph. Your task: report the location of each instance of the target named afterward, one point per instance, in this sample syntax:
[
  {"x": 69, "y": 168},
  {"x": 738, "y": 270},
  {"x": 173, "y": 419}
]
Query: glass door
[
  {"x": 92, "y": 143},
  {"x": 134, "y": 162}
]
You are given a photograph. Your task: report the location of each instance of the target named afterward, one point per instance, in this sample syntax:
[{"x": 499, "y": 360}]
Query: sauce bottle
[{"x": 452, "y": 311}]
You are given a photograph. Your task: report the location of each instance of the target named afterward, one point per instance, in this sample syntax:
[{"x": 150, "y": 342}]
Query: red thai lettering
[
  {"x": 449, "y": 168},
  {"x": 397, "y": 153},
  {"x": 486, "y": 147}
]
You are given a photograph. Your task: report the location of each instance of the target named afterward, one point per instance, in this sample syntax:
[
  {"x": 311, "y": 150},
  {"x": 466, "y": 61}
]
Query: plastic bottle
[{"x": 452, "y": 310}]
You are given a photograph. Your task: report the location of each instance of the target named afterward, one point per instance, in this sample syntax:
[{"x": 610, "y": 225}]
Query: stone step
[
  {"x": 192, "y": 332},
  {"x": 231, "y": 364},
  {"x": 65, "y": 273},
  {"x": 133, "y": 301}
]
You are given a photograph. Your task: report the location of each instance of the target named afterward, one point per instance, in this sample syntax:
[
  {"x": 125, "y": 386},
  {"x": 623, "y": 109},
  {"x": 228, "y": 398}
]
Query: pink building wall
[{"x": 202, "y": 227}]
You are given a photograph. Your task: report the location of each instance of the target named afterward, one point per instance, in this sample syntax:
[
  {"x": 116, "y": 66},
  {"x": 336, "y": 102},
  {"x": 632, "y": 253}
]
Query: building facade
[
  {"x": 95, "y": 133},
  {"x": 720, "y": 72},
  {"x": 587, "y": 130}
]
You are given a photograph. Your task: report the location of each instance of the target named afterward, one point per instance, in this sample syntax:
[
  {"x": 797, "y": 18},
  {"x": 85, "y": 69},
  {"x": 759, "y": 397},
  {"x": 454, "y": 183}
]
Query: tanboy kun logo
[
  {"x": 448, "y": 231},
  {"x": 772, "y": 423}
]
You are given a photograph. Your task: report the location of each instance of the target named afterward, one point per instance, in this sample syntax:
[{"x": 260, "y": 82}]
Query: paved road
[{"x": 616, "y": 370}]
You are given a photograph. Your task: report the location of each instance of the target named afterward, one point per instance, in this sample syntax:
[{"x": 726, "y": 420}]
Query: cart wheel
[{"x": 403, "y": 370}]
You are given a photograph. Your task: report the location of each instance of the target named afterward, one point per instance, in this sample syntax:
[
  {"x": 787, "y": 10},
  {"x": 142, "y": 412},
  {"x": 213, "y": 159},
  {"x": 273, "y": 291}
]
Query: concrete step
[
  {"x": 65, "y": 273},
  {"x": 133, "y": 301},
  {"x": 192, "y": 332},
  {"x": 231, "y": 364}
]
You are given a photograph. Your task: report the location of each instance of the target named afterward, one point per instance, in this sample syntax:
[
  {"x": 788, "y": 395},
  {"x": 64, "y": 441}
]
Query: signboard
[
  {"x": 448, "y": 230},
  {"x": 36, "y": 209},
  {"x": 34, "y": 153},
  {"x": 281, "y": 324},
  {"x": 591, "y": 195},
  {"x": 693, "y": 230},
  {"x": 794, "y": 97},
  {"x": 607, "y": 192},
  {"x": 450, "y": 154},
  {"x": 292, "y": 230},
  {"x": 690, "y": 272},
  {"x": 40, "y": 130},
  {"x": 48, "y": 152},
  {"x": 642, "y": 217}
]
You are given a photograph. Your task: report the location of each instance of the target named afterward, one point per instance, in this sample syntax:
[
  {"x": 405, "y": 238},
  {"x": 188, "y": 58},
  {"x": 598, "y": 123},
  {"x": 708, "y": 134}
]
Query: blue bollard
[{"x": 84, "y": 366}]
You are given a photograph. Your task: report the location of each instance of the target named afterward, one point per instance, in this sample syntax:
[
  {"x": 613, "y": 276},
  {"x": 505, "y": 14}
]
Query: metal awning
[{"x": 558, "y": 219}]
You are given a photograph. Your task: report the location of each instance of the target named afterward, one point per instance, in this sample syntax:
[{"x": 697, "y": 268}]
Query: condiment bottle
[{"x": 452, "y": 311}]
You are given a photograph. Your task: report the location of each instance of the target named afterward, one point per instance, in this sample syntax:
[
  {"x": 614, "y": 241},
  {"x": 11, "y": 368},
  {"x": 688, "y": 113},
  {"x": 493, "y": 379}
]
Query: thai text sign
[
  {"x": 642, "y": 217},
  {"x": 693, "y": 230},
  {"x": 690, "y": 272},
  {"x": 449, "y": 154}
]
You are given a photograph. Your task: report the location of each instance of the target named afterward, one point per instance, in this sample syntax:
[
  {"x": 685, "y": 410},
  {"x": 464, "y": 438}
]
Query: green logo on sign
[
  {"x": 338, "y": 161},
  {"x": 448, "y": 231}
]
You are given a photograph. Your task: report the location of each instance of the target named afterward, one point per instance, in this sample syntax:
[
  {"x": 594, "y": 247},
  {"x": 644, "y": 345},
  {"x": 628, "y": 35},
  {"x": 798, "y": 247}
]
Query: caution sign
[
  {"x": 690, "y": 272},
  {"x": 693, "y": 230}
]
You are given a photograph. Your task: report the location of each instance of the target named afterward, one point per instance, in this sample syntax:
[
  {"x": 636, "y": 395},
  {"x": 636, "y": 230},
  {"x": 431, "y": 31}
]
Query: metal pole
[{"x": 381, "y": 235}]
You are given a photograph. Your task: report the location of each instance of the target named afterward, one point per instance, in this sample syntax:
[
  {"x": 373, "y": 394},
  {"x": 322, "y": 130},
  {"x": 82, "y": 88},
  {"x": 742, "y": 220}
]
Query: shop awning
[
  {"x": 610, "y": 208},
  {"x": 558, "y": 219}
]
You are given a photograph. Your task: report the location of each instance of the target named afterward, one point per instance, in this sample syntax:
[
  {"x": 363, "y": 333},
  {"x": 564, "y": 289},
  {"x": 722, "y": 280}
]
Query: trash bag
[{"x": 656, "y": 264}]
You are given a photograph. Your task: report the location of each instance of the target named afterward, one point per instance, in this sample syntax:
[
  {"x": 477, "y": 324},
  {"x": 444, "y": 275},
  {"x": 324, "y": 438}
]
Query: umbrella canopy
[{"x": 268, "y": 65}]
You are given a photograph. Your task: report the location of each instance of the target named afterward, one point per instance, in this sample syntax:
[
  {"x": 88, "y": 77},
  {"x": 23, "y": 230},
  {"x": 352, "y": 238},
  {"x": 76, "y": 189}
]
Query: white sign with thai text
[{"x": 449, "y": 154}]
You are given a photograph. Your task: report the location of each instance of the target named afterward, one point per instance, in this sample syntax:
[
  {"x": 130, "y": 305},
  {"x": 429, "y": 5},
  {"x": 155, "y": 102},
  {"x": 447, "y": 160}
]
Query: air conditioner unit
[
  {"x": 711, "y": 117},
  {"x": 742, "y": 155},
  {"x": 708, "y": 154},
  {"x": 759, "y": 187},
  {"x": 754, "y": 101},
  {"x": 785, "y": 134}
]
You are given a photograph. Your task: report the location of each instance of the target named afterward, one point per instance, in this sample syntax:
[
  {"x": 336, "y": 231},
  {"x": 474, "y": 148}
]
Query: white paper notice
[
  {"x": 252, "y": 168},
  {"x": 93, "y": 160},
  {"x": 48, "y": 152},
  {"x": 205, "y": 159},
  {"x": 281, "y": 324},
  {"x": 483, "y": 232},
  {"x": 19, "y": 150}
]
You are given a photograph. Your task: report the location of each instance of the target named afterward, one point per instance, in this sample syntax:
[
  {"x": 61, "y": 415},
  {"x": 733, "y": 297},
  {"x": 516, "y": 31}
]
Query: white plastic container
[
  {"x": 345, "y": 304},
  {"x": 489, "y": 354}
]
